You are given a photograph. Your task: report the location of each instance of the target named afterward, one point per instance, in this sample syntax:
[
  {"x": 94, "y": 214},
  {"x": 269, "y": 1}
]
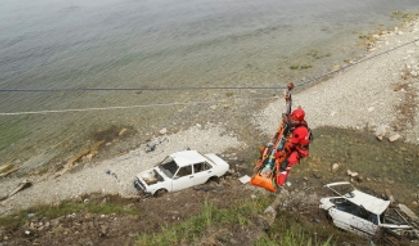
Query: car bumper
[{"x": 140, "y": 187}]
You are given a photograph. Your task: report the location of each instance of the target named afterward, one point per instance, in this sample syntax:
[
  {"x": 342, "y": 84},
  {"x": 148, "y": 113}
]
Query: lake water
[{"x": 53, "y": 44}]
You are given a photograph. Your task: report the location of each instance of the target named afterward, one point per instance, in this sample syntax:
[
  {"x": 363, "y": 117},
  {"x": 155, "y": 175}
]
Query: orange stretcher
[{"x": 272, "y": 155}]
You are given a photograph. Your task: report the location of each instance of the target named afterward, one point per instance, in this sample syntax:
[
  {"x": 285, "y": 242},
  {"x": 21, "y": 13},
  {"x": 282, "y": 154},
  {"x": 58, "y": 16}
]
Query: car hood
[{"x": 151, "y": 176}]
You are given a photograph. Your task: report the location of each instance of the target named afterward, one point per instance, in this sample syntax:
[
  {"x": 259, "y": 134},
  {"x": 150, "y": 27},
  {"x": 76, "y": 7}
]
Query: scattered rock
[
  {"x": 163, "y": 131},
  {"x": 213, "y": 107},
  {"x": 394, "y": 137},
  {"x": 370, "y": 109},
  {"x": 27, "y": 232},
  {"x": 381, "y": 131},
  {"x": 389, "y": 196},
  {"x": 104, "y": 230},
  {"x": 122, "y": 132},
  {"x": 335, "y": 167},
  {"x": 351, "y": 173},
  {"x": 86, "y": 201},
  {"x": 198, "y": 125}
]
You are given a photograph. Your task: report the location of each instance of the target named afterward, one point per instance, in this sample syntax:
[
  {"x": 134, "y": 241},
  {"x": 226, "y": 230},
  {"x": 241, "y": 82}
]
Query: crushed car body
[
  {"x": 363, "y": 214},
  {"x": 179, "y": 171}
]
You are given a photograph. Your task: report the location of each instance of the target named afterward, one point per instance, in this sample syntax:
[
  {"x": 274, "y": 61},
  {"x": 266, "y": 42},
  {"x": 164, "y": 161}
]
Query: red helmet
[{"x": 298, "y": 114}]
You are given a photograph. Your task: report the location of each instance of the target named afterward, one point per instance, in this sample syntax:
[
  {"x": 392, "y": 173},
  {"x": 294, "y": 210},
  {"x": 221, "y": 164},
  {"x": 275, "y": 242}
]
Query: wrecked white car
[
  {"x": 180, "y": 171},
  {"x": 358, "y": 212}
]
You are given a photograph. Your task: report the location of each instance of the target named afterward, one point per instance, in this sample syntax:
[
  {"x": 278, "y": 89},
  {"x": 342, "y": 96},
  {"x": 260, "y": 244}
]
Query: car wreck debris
[{"x": 364, "y": 214}]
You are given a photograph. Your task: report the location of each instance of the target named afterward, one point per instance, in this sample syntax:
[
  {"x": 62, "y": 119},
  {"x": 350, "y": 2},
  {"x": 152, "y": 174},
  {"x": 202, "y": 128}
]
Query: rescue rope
[{"x": 299, "y": 84}]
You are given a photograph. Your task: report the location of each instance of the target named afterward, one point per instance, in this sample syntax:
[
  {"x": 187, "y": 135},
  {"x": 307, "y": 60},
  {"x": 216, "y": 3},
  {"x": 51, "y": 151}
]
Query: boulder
[{"x": 394, "y": 137}]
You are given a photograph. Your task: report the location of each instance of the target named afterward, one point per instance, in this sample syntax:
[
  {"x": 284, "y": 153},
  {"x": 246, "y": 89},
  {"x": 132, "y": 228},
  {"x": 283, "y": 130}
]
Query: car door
[
  {"x": 351, "y": 217},
  {"x": 201, "y": 172},
  {"x": 183, "y": 178}
]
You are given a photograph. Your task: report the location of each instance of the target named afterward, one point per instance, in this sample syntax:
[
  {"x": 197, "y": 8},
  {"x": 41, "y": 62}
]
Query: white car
[
  {"x": 179, "y": 171},
  {"x": 361, "y": 213}
]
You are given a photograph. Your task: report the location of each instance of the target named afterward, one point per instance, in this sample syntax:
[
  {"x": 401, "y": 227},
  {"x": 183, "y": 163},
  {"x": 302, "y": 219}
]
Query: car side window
[
  {"x": 184, "y": 171},
  {"x": 346, "y": 206},
  {"x": 200, "y": 167}
]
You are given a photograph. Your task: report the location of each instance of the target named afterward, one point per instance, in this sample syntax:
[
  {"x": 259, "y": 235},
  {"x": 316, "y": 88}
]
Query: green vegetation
[
  {"x": 193, "y": 228},
  {"x": 290, "y": 229},
  {"x": 315, "y": 54},
  {"x": 300, "y": 66},
  {"x": 404, "y": 16},
  {"x": 291, "y": 237},
  {"x": 65, "y": 208}
]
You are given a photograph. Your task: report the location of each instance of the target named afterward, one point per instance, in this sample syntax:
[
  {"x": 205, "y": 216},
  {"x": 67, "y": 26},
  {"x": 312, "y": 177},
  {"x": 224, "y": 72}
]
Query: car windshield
[{"x": 169, "y": 168}]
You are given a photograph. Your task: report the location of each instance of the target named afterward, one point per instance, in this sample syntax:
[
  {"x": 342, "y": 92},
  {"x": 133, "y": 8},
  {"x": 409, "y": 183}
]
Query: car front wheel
[{"x": 160, "y": 192}]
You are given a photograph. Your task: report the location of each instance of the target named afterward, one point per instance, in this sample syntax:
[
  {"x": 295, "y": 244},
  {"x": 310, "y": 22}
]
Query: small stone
[
  {"x": 198, "y": 125},
  {"x": 351, "y": 173},
  {"x": 86, "y": 201},
  {"x": 381, "y": 131},
  {"x": 122, "y": 132},
  {"x": 305, "y": 178},
  {"x": 253, "y": 196},
  {"x": 389, "y": 196},
  {"x": 30, "y": 215},
  {"x": 415, "y": 204},
  {"x": 163, "y": 131},
  {"x": 213, "y": 107},
  {"x": 27, "y": 232},
  {"x": 370, "y": 109},
  {"x": 394, "y": 137},
  {"x": 335, "y": 167},
  {"x": 103, "y": 230}
]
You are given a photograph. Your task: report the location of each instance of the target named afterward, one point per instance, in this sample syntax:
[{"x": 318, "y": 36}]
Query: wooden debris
[
  {"x": 21, "y": 186},
  {"x": 88, "y": 153},
  {"x": 7, "y": 169}
]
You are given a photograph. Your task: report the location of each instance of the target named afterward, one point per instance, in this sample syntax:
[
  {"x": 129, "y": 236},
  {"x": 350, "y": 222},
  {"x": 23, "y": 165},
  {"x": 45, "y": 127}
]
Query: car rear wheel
[{"x": 160, "y": 192}]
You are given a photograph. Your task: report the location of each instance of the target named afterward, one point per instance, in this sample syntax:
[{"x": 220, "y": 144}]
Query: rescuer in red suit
[{"x": 297, "y": 144}]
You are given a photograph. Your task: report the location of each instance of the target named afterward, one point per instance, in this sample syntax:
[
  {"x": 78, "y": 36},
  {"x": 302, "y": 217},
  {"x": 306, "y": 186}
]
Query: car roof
[
  {"x": 187, "y": 157},
  {"x": 370, "y": 203}
]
